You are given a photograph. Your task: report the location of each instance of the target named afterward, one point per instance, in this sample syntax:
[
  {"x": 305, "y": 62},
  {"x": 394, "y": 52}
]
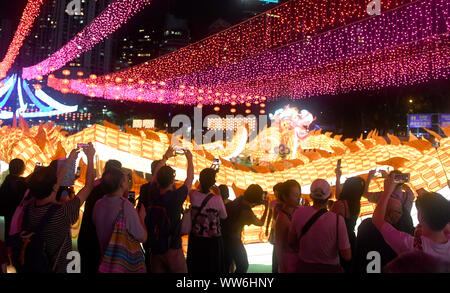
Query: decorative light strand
[
  {"x": 405, "y": 46},
  {"x": 29, "y": 15},
  {"x": 115, "y": 14}
]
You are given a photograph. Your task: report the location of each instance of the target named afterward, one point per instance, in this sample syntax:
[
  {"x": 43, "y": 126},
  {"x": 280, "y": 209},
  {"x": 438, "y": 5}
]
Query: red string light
[{"x": 29, "y": 15}]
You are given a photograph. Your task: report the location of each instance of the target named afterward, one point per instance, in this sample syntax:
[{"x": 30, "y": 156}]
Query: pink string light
[
  {"x": 29, "y": 15},
  {"x": 405, "y": 46},
  {"x": 115, "y": 14}
]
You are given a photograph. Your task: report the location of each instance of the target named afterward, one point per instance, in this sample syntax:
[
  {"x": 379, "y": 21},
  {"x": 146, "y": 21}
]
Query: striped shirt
[{"x": 57, "y": 232}]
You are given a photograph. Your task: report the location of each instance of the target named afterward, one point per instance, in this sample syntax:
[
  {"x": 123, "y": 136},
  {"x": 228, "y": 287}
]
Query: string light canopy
[
  {"x": 29, "y": 15},
  {"x": 288, "y": 23},
  {"x": 404, "y": 46},
  {"x": 114, "y": 15}
]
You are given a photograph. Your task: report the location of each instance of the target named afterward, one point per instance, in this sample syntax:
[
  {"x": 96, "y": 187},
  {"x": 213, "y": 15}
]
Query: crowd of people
[{"x": 309, "y": 235}]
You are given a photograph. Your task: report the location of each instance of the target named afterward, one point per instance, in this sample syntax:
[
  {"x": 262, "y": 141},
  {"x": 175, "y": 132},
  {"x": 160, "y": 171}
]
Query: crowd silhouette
[{"x": 118, "y": 235}]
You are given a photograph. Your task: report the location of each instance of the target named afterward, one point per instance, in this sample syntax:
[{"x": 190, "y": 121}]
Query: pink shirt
[
  {"x": 319, "y": 244},
  {"x": 402, "y": 242}
]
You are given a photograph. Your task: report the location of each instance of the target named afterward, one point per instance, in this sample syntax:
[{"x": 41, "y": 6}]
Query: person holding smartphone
[
  {"x": 240, "y": 214},
  {"x": 433, "y": 215},
  {"x": 402, "y": 192},
  {"x": 205, "y": 247}
]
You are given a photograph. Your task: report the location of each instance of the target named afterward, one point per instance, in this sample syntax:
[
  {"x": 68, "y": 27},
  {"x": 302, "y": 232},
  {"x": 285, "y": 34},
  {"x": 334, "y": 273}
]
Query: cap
[{"x": 320, "y": 189}]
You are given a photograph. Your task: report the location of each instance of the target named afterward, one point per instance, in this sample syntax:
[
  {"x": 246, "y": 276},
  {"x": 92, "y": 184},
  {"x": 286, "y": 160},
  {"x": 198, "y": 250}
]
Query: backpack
[
  {"x": 28, "y": 247},
  {"x": 158, "y": 226}
]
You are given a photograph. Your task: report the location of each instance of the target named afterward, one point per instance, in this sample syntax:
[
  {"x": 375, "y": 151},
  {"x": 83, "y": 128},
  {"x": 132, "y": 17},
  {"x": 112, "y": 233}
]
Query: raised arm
[
  {"x": 90, "y": 174},
  {"x": 380, "y": 210},
  {"x": 338, "y": 188},
  {"x": 169, "y": 153},
  {"x": 190, "y": 169},
  {"x": 260, "y": 222}
]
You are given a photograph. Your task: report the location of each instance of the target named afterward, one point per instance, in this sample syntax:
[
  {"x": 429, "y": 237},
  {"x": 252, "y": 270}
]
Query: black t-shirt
[
  {"x": 143, "y": 195},
  {"x": 87, "y": 240},
  {"x": 239, "y": 215},
  {"x": 11, "y": 194},
  {"x": 370, "y": 239},
  {"x": 173, "y": 201}
]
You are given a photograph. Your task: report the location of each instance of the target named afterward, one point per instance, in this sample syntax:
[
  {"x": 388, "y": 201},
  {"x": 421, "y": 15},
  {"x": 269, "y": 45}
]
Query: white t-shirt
[
  {"x": 402, "y": 242},
  {"x": 208, "y": 222},
  {"x": 319, "y": 244}
]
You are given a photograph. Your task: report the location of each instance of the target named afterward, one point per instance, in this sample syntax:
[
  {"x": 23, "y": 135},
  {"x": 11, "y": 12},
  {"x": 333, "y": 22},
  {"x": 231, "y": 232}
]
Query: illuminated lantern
[
  {"x": 107, "y": 77},
  {"x": 248, "y": 111},
  {"x": 180, "y": 102},
  {"x": 263, "y": 98},
  {"x": 162, "y": 83},
  {"x": 141, "y": 81},
  {"x": 262, "y": 105},
  {"x": 65, "y": 90},
  {"x": 118, "y": 80},
  {"x": 262, "y": 111},
  {"x": 66, "y": 72},
  {"x": 80, "y": 73},
  {"x": 200, "y": 106},
  {"x": 91, "y": 95},
  {"x": 233, "y": 110},
  {"x": 65, "y": 81},
  {"x": 93, "y": 76},
  {"x": 217, "y": 109},
  {"x": 233, "y": 103},
  {"x": 51, "y": 76},
  {"x": 182, "y": 86},
  {"x": 39, "y": 77},
  {"x": 200, "y": 98},
  {"x": 130, "y": 80},
  {"x": 248, "y": 104},
  {"x": 37, "y": 86},
  {"x": 217, "y": 101}
]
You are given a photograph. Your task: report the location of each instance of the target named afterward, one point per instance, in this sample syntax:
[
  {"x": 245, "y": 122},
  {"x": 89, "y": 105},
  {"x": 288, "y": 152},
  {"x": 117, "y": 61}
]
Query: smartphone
[
  {"x": 132, "y": 197},
  {"x": 215, "y": 165},
  {"x": 265, "y": 196},
  {"x": 78, "y": 173},
  {"x": 82, "y": 145},
  {"x": 179, "y": 151},
  {"x": 436, "y": 144},
  {"x": 339, "y": 164},
  {"x": 401, "y": 178}
]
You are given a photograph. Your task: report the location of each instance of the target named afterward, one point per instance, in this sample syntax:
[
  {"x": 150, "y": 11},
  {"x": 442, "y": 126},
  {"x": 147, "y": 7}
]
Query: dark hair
[
  {"x": 435, "y": 210},
  {"x": 352, "y": 192},
  {"x": 277, "y": 188},
  {"x": 207, "y": 179},
  {"x": 286, "y": 189},
  {"x": 110, "y": 164},
  {"x": 16, "y": 167},
  {"x": 165, "y": 176},
  {"x": 224, "y": 191},
  {"x": 254, "y": 194},
  {"x": 154, "y": 165},
  {"x": 112, "y": 180},
  {"x": 320, "y": 201},
  {"x": 41, "y": 182}
]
